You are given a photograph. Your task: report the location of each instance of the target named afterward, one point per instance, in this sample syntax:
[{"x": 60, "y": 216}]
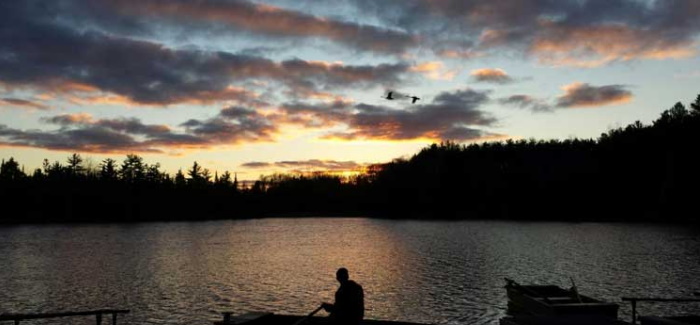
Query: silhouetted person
[{"x": 349, "y": 306}]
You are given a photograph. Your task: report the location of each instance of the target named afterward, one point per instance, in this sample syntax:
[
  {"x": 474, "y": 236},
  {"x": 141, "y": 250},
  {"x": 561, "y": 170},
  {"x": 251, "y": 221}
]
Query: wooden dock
[{"x": 17, "y": 318}]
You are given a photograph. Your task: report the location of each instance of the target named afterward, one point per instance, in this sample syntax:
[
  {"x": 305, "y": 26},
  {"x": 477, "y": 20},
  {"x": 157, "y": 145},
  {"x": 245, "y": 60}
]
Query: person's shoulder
[{"x": 355, "y": 284}]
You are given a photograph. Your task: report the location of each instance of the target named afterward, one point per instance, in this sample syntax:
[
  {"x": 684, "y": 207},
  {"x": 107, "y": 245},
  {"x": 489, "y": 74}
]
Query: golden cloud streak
[{"x": 434, "y": 70}]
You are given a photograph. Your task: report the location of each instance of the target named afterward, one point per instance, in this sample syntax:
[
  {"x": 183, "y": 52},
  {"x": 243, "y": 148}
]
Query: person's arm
[{"x": 328, "y": 307}]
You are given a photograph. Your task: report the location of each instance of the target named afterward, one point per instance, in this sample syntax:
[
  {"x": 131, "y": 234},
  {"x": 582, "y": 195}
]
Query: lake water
[{"x": 438, "y": 272}]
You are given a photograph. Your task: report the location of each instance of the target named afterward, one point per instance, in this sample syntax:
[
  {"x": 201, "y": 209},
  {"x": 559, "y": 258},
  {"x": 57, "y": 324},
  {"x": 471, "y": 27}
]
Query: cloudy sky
[{"x": 255, "y": 87}]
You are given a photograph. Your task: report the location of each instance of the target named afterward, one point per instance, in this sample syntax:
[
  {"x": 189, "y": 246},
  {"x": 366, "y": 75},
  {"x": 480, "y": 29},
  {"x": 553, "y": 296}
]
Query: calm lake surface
[{"x": 438, "y": 272}]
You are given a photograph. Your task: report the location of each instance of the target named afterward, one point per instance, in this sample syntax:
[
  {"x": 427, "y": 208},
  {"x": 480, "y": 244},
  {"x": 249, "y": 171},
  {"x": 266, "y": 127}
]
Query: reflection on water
[{"x": 437, "y": 272}]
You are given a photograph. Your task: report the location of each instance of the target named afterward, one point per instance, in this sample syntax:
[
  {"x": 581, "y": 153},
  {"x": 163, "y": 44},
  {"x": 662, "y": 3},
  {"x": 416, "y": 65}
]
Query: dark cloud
[
  {"x": 220, "y": 130},
  {"x": 268, "y": 20},
  {"x": 207, "y": 18},
  {"x": 581, "y": 33},
  {"x": 86, "y": 139},
  {"x": 83, "y": 133},
  {"x": 234, "y": 112},
  {"x": 23, "y": 103},
  {"x": 144, "y": 72},
  {"x": 131, "y": 126},
  {"x": 526, "y": 102},
  {"x": 233, "y": 125},
  {"x": 256, "y": 164},
  {"x": 134, "y": 126},
  {"x": 567, "y": 32},
  {"x": 583, "y": 95},
  {"x": 39, "y": 52},
  {"x": 464, "y": 133},
  {"x": 125, "y": 125},
  {"x": 450, "y": 116},
  {"x": 575, "y": 95}
]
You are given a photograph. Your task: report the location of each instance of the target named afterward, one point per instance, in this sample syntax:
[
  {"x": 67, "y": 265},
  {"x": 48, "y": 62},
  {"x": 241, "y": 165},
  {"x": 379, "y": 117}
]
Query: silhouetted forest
[{"x": 636, "y": 173}]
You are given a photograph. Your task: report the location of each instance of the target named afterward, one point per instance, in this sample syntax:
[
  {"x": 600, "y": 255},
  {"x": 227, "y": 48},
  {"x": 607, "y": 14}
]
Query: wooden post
[
  {"x": 634, "y": 312},
  {"x": 17, "y": 318},
  {"x": 227, "y": 318}
]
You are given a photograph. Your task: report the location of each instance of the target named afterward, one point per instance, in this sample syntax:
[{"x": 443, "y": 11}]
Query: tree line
[{"x": 634, "y": 173}]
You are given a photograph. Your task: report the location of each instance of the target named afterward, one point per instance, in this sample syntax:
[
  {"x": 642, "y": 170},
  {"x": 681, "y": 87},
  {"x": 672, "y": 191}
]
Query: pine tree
[
  {"x": 10, "y": 171},
  {"x": 108, "y": 169},
  {"x": 132, "y": 169},
  {"x": 75, "y": 165},
  {"x": 180, "y": 180},
  {"x": 195, "y": 174},
  {"x": 695, "y": 107}
]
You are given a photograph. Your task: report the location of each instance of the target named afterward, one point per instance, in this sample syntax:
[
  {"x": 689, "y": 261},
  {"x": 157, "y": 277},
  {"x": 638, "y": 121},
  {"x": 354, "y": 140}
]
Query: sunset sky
[{"x": 256, "y": 87}]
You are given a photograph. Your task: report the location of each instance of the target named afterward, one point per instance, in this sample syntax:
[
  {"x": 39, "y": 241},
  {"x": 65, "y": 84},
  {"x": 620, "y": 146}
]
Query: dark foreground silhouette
[
  {"x": 636, "y": 173},
  {"x": 349, "y": 305}
]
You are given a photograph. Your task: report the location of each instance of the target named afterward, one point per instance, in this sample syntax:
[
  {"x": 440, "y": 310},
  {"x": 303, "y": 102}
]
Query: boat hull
[
  {"x": 547, "y": 300},
  {"x": 677, "y": 320}
]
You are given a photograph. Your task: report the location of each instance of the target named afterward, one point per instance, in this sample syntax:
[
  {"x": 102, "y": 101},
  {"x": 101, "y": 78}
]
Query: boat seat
[{"x": 561, "y": 300}]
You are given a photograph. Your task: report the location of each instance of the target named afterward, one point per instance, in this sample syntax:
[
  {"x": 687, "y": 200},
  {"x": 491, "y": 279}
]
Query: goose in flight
[{"x": 415, "y": 99}]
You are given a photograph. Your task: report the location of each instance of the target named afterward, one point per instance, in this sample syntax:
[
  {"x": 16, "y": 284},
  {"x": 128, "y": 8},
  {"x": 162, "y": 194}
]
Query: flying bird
[{"x": 392, "y": 95}]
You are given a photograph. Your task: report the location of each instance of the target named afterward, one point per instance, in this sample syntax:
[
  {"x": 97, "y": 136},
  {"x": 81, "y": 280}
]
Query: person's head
[{"x": 342, "y": 275}]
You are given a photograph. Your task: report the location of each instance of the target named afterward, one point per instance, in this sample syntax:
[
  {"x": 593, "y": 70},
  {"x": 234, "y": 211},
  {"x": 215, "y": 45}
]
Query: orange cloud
[
  {"x": 592, "y": 46},
  {"x": 328, "y": 97},
  {"x": 491, "y": 75},
  {"x": 434, "y": 70},
  {"x": 71, "y": 86},
  {"x": 22, "y": 103},
  {"x": 459, "y": 54},
  {"x": 312, "y": 165}
]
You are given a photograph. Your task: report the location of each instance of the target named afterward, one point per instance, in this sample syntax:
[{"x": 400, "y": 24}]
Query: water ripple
[{"x": 446, "y": 273}]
